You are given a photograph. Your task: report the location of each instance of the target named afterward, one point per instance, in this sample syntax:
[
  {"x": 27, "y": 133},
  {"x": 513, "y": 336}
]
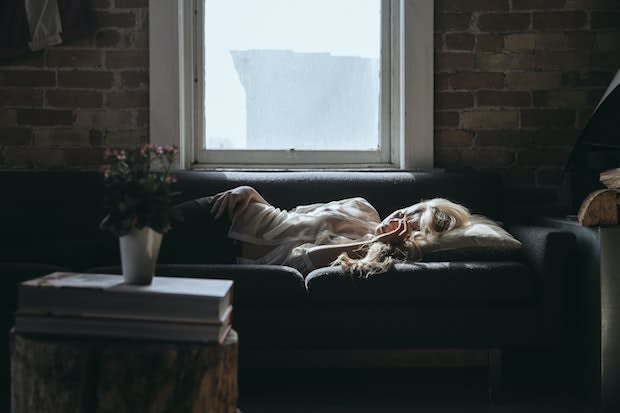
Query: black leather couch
[{"x": 50, "y": 222}]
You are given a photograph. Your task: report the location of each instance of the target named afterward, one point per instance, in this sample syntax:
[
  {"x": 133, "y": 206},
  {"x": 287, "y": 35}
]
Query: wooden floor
[{"x": 400, "y": 391}]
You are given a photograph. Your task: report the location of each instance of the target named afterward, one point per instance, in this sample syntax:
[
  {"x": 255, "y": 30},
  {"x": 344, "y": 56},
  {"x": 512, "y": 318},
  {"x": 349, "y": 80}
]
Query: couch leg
[{"x": 495, "y": 375}]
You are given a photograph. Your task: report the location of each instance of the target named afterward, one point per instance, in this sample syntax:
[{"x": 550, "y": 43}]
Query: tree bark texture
[{"x": 98, "y": 376}]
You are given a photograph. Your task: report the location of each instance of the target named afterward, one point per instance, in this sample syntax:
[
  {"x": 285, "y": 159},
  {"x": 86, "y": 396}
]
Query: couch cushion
[{"x": 429, "y": 283}]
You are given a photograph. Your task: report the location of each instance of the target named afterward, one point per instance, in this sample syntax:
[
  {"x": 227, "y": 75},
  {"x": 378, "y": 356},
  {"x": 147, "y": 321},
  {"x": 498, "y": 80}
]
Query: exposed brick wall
[
  {"x": 59, "y": 107},
  {"x": 515, "y": 82}
]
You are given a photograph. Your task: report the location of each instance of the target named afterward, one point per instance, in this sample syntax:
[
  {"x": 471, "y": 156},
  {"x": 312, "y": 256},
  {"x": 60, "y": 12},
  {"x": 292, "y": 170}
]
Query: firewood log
[{"x": 599, "y": 208}]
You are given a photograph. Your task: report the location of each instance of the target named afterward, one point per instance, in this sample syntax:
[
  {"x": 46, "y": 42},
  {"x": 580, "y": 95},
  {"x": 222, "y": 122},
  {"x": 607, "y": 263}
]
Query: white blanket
[{"x": 293, "y": 232}]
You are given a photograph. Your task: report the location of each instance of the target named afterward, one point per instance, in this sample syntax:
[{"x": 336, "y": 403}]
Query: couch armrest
[{"x": 550, "y": 252}]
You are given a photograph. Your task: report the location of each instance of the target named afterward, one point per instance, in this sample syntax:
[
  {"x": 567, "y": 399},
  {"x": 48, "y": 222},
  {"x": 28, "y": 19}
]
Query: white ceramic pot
[{"x": 139, "y": 252}]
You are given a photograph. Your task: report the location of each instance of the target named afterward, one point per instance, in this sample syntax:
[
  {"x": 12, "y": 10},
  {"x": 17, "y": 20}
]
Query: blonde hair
[{"x": 438, "y": 215}]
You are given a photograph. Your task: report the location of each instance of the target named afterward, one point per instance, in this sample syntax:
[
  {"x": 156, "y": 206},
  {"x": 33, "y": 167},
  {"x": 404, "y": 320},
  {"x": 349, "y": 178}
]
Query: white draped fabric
[{"x": 293, "y": 232}]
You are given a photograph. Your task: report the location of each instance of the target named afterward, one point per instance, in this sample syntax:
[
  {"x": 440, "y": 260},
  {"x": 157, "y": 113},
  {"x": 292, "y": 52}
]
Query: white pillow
[{"x": 481, "y": 239}]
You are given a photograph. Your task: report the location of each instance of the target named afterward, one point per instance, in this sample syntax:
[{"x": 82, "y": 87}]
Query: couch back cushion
[
  {"x": 53, "y": 217},
  {"x": 481, "y": 192}
]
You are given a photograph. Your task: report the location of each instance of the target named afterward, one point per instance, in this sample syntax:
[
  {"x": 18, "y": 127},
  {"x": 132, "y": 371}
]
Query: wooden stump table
[{"x": 65, "y": 375}]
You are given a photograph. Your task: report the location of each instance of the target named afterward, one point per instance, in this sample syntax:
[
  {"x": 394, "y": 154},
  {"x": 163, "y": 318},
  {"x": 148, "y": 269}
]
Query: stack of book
[{"x": 102, "y": 305}]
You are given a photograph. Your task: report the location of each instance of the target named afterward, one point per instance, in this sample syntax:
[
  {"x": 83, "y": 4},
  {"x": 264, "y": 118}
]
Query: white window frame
[{"x": 174, "y": 92}]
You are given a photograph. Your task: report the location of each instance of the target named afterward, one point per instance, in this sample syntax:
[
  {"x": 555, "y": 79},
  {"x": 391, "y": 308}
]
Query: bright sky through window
[{"x": 301, "y": 74}]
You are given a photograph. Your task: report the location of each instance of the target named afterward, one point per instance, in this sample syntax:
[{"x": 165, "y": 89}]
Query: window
[{"x": 293, "y": 84}]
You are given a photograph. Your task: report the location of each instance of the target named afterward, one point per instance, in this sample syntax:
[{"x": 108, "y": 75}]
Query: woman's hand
[
  {"x": 235, "y": 201},
  {"x": 395, "y": 231}
]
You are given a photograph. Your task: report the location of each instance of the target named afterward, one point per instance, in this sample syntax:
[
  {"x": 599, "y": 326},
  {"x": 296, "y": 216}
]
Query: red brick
[
  {"x": 124, "y": 59},
  {"x": 447, "y": 22},
  {"x": 547, "y": 118},
  {"x": 504, "y": 62},
  {"x": 128, "y": 99},
  {"x": 604, "y": 20},
  {"x": 604, "y": 61},
  {"x": 21, "y": 97},
  {"x": 533, "y": 80},
  {"x": 133, "y": 79},
  {"x": 447, "y": 158},
  {"x": 454, "y": 100},
  {"x": 15, "y": 136},
  {"x": 108, "y": 38},
  {"x": 563, "y": 60},
  {"x": 580, "y": 40},
  {"x": 126, "y": 137},
  {"x": 490, "y": 119},
  {"x": 142, "y": 118},
  {"x": 67, "y": 98},
  {"x": 447, "y": 62},
  {"x": 540, "y": 157},
  {"x": 115, "y": 19},
  {"x": 460, "y": 41},
  {"x": 139, "y": 40},
  {"x": 101, "y": 4},
  {"x": 566, "y": 136},
  {"x": 501, "y": 98},
  {"x": 83, "y": 157},
  {"x": 438, "y": 42},
  {"x": 122, "y": 4},
  {"x": 95, "y": 137},
  {"x": 85, "y": 41},
  {"x": 489, "y": 42},
  {"x": 33, "y": 59},
  {"x": 86, "y": 79},
  {"x": 477, "y": 80},
  {"x": 608, "y": 41},
  {"x": 471, "y": 5},
  {"x": 537, "y": 4},
  {"x": 566, "y": 98},
  {"x": 27, "y": 78},
  {"x": 488, "y": 158},
  {"x": 61, "y": 137},
  {"x": 446, "y": 119},
  {"x": 442, "y": 81},
  {"x": 594, "y": 4},
  {"x": 503, "y": 22},
  {"x": 453, "y": 137},
  {"x": 8, "y": 117},
  {"x": 72, "y": 58},
  {"x": 44, "y": 117},
  {"x": 566, "y": 20},
  {"x": 104, "y": 119},
  {"x": 508, "y": 137}
]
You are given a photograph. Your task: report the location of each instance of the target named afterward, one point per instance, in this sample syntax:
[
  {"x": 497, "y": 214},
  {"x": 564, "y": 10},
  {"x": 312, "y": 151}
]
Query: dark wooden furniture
[{"x": 61, "y": 374}]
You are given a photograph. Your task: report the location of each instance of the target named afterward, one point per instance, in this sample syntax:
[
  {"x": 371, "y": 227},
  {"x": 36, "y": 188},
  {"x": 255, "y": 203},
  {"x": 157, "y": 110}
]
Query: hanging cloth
[{"x": 44, "y": 23}]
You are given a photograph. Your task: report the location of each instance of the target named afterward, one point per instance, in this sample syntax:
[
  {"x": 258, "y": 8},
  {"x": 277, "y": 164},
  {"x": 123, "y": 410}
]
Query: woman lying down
[{"x": 348, "y": 232}]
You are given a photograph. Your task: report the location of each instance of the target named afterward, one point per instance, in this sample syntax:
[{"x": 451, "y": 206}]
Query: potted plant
[{"x": 138, "y": 205}]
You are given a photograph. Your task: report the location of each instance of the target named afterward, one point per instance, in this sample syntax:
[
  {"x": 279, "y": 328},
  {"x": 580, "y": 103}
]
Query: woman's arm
[
  {"x": 324, "y": 255},
  {"x": 235, "y": 201}
]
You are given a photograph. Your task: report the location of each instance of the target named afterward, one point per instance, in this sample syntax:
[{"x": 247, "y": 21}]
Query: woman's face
[{"x": 410, "y": 214}]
